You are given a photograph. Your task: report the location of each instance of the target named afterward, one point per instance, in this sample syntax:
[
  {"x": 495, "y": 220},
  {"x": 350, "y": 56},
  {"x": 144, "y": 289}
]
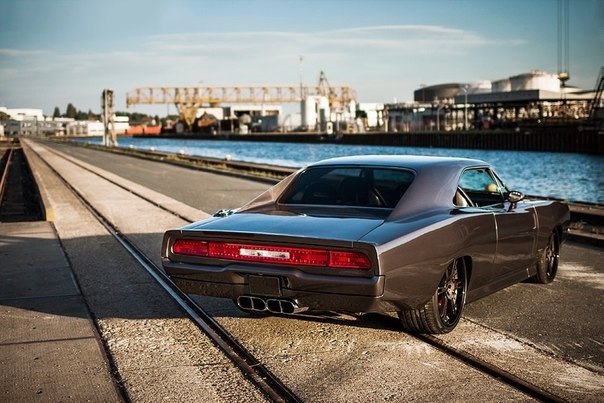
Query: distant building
[
  {"x": 535, "y": 80},
  {"x": 534, "y": 97},
  {"x": 32, "y": 127},
  {"x": 29, "y": 122},
  {"x": 84, "y": 128},
  {"x": 32, "y": 122},
  {"x": 95, "y": 127},
  {"x": 23, "y": 113},
  {"x": 370, "y": 115}
]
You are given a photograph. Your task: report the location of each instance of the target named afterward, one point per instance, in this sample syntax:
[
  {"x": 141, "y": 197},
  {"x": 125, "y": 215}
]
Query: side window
[{"x": 481, "y": 187}]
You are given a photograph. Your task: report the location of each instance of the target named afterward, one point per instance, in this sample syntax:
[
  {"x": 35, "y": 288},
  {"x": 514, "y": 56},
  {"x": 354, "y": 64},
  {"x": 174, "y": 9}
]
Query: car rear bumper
[{"x": 310, "y": 291}]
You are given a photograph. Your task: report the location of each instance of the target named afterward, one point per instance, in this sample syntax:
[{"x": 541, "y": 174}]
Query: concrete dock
[{"x": 49, "y": 347}]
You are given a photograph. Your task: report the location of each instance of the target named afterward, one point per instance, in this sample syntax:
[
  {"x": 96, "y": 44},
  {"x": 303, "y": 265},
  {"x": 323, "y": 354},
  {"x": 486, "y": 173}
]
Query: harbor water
[{"x": 572, "y": 177}]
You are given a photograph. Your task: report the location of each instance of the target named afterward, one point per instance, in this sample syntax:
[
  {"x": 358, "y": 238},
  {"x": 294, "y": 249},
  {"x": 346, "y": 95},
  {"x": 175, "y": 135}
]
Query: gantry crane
[{"x": 189, "y": 99}]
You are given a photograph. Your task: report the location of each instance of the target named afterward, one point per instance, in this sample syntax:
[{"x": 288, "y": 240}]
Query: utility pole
[
  {"x": 109, "y": 137},
  {"x": 563, "y": 43},
  {"x": 301, "y": 84},
  {"x": 465, "y": 106}
]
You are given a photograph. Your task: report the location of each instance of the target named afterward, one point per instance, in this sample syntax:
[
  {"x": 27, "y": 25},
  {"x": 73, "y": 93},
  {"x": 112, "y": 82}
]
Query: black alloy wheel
[
  {"x": 442, "y": 313},
  {"x": 547, "y": 267}
]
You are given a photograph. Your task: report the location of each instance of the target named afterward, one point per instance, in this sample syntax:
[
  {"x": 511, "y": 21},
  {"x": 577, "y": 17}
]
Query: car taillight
[
  {"x": 270, "y": 254},
  {"x": 190, "y": 247},
  {"x": 273, "y": 254},
  {"x": 348, "y": 260}
]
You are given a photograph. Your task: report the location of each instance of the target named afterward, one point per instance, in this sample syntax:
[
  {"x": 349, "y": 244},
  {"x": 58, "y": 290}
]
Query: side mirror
[
  {"x": 223, "y": 213},
  {"x": 514, "y": 197}
]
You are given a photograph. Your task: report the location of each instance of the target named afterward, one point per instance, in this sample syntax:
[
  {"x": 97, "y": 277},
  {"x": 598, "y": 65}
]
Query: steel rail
[
  {"x": 271, "y": 386},
  {"x": 4, "y": 179},
  {"x": 460, "y": 355},
  {"x": 489, "y": 369}
]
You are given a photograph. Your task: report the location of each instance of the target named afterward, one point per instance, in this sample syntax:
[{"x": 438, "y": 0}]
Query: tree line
[{"x": 72, "y": 112}]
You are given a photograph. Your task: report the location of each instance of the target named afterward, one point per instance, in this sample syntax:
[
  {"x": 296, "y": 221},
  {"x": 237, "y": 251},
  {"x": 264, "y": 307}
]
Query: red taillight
[
  {"x": 348, "y": 260},
  {"x": 269, "y": 254},
  {"x": 190, "y": 247},
  {"x": 273, "y": 254}
]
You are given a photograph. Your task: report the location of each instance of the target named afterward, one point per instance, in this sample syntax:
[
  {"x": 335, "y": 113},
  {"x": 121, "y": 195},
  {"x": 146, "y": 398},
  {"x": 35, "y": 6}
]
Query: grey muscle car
[{"x": 420, "y": 236}]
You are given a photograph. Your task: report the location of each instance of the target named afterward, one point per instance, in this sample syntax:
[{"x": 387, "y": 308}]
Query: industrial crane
[{"x": 189, "y": 99}]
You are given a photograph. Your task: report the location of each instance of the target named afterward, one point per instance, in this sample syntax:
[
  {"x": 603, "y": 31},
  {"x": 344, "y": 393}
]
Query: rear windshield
[{"x": 349, "y": 186}]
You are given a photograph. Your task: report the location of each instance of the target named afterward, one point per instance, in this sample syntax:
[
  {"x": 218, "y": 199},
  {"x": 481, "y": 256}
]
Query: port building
[{"x": 536, "y": 97}]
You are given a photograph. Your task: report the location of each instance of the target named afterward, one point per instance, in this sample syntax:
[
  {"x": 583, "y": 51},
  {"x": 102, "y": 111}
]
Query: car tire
[
  {"x": 442, "y": 313},
  {"x": 547, "y": 266}
]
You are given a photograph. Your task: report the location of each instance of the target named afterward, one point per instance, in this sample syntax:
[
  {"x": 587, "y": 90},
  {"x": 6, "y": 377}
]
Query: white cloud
[
  {"x": 374, "y": 60},
  {"x": 413, "y": 39},
  {"x": 18, "y": 53}
]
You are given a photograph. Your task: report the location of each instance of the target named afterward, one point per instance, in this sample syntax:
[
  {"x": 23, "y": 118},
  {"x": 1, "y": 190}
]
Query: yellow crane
[{"x": 189, "y": 99}]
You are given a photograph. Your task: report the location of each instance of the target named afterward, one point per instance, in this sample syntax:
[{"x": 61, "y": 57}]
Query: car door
[{"x": 516, "y": 227}]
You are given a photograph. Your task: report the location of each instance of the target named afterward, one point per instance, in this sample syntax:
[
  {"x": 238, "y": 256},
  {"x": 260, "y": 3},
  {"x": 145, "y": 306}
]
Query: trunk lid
[{"x": 348, "y": 229}]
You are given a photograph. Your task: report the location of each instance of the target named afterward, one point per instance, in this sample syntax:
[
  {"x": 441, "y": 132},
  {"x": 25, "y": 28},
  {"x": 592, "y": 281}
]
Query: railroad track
[
  {"x": 5, "y": 163},
  {"x": 18, "y": 193},
  {"x": 270, "y": 385}
]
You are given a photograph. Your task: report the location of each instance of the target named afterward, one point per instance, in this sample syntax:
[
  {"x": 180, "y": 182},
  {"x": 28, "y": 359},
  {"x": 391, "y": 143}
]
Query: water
[{"x": 572, "y": 177}]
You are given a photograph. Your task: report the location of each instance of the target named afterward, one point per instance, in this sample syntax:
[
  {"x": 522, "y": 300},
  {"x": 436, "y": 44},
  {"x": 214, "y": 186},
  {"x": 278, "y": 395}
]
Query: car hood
[{"x": 329, "y": 228}]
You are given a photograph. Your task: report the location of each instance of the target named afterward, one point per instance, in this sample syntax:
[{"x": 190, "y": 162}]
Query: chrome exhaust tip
[
  {"x": 272, "y": 305},
  {"x": 279, "y": 306},
  {"x": 251, "y": 303},
  {"x": 283, "y": 306}
]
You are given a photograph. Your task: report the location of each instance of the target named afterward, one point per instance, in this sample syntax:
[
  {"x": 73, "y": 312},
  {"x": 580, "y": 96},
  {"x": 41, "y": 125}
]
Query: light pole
[
  {"x": 465, "y": 106},
  {"x": 301, "y": 85}
]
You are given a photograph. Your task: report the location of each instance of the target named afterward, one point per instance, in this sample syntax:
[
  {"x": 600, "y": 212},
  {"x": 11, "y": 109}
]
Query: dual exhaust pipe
[{"x": 272, "y": 305}]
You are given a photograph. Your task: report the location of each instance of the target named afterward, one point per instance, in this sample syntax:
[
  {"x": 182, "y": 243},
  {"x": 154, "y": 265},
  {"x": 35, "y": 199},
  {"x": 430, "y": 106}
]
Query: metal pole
[
  {"x": 465, "y": 107},
  {"x": 301, "y": 84},
  {"x": 109, "y": 137}
]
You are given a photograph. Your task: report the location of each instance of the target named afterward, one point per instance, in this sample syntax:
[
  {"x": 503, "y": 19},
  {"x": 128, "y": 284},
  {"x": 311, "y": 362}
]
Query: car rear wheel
[
  {"x": 547, "y": 267},
  {"x": 442, "y": 313}
]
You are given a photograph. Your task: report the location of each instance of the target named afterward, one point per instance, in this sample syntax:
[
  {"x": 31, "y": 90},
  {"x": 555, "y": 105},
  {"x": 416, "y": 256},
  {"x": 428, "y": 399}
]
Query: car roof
[
  {"x": 414, "y": 162},
  {"x": 435, "y": 183}
]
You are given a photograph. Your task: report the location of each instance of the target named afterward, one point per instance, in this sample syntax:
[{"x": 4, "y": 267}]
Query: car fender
[{"x": 414, "y": 264}]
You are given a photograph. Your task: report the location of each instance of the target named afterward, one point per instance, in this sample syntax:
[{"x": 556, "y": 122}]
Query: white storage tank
[
  {"x": 309, "y": 113},
  {"x": 352, "y": 108},
  {"x": 503, "y": 85},
  {"x": 480, "y": 87},
  {"x": 535, "y": 80},
  {"x": 323, "y": 109}
]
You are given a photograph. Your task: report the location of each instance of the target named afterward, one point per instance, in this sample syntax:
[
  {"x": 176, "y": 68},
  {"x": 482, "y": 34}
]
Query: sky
[{"x": 55, "y": 52}]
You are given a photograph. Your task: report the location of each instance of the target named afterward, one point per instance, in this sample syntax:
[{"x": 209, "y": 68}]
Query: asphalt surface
[{"x": 323, "y": 357}]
